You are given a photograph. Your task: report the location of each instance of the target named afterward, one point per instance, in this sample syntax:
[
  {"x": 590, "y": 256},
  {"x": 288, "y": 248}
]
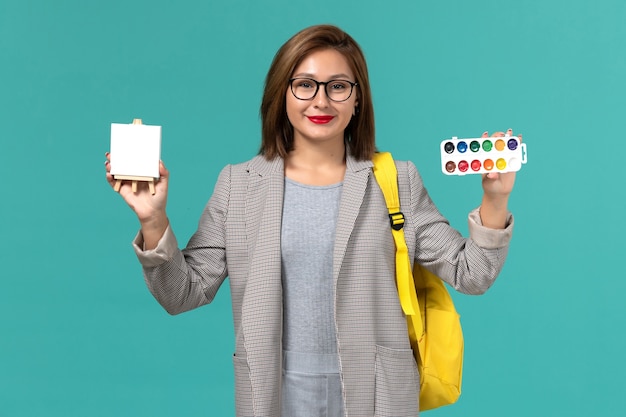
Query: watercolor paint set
[{"x": 482, "y": 155}]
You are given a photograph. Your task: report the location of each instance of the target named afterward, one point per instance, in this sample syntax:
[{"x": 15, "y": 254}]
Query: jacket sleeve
[
  {"x": 187, "y": 279},
  {"x": 470, "y": 265}
]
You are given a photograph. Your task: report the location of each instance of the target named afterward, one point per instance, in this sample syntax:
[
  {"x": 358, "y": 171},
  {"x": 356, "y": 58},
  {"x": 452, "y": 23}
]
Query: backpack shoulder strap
[{"x": 387, "y": 177}]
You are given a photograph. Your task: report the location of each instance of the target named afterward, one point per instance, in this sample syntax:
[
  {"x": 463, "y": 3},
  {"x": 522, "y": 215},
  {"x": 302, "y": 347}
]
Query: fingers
[
  {"x": 107, "y": 167},
  {"x": 491, "y": 176},
  {"x": 509, "y": 132},
  {"x": 163, "y": 172}
]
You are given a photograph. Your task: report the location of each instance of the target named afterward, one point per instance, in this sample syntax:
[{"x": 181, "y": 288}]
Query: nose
[{"x": 321, "y": 97}]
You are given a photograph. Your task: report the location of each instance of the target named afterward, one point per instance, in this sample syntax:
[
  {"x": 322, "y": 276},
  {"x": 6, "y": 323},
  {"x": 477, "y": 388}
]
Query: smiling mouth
[{"x": 320, "y": 120}]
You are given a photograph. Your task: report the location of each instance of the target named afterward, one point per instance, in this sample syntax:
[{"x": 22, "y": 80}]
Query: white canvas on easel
[{"x": 135, "y": 150}]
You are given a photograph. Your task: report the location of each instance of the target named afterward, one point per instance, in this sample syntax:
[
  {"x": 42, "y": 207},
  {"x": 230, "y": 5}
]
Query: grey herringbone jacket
[{"x": 239, "y": 236}]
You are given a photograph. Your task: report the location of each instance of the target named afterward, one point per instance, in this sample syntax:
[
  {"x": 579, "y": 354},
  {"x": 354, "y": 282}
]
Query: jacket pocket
[
  {"x": 397, "y": 383},
  {"x": 243, "y": 387}
]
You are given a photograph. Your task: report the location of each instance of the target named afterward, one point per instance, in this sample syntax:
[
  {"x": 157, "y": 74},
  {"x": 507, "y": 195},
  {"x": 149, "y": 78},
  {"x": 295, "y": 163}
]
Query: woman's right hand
[{"x": 149, "y": 208}]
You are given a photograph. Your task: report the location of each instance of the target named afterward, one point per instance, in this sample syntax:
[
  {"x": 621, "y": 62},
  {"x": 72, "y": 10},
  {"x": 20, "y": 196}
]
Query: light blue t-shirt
[
  {"x": 307, "y": 241},
  {"x": 311, "y": 385}
]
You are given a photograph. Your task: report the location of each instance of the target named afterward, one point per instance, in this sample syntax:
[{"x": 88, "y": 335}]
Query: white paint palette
[
  {"x": 482, "y": 155},
  {"x": 135, "y": 150}
]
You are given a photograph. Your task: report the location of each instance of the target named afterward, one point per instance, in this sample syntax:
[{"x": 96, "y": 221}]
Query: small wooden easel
[{"x": 133, "y": 178}]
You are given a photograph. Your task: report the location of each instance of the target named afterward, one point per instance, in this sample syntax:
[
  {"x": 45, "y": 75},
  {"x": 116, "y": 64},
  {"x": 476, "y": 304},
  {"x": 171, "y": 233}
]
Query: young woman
[{"x": 302, "y": 232}]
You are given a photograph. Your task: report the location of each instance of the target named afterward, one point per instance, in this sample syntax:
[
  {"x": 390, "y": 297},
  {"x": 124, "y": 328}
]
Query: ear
[{"x": 355, "y": 111}]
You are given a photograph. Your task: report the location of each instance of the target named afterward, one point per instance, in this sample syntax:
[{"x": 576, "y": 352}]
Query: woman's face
[{"x": 320, "y": 119}]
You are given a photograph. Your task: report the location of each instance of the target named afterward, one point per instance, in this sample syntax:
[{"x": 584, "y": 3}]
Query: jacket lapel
[
  {"x": 262, "y": 303},
  {"x": 354, "y": 186}
]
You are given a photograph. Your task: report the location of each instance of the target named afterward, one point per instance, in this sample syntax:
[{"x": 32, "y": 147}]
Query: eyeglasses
[{"x": 307, "y": 88}]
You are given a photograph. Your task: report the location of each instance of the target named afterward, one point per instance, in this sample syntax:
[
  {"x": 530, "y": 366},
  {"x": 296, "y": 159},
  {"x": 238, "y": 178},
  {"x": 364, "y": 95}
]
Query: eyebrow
[{"x": 332, "y": 77}]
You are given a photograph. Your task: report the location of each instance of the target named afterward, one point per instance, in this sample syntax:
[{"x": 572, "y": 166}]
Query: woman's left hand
[{"x": 495, "y": 184}]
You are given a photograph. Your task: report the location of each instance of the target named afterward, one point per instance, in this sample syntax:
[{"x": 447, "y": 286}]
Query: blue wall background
[{"x": 81, "y": 336}]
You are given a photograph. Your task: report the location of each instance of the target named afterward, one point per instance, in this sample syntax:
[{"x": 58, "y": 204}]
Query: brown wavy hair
[{"x": 277, "y": 132}]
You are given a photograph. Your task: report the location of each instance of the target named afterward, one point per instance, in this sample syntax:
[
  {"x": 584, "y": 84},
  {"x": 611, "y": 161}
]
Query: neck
[
  {"x": 316, "y": 165},
  {"x": 316, "y": 155}
]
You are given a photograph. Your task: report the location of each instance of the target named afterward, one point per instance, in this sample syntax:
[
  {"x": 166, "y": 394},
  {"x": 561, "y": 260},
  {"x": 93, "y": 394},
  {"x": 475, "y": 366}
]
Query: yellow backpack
[{"x": 434, "y": 325}]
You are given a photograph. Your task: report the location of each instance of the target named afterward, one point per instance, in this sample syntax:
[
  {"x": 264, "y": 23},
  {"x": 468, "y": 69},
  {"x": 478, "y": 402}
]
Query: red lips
[{"x": 320, "y": 120}]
